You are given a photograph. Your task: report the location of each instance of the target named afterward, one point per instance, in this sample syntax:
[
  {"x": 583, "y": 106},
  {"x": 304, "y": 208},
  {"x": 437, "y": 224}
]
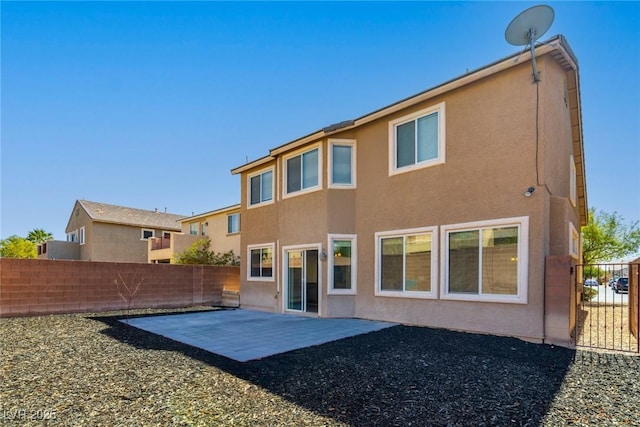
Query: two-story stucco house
[
  {"x": 437, "y": 210},
  {"x": 105, "y": 232},
  {"x": 220, "y": 226}
]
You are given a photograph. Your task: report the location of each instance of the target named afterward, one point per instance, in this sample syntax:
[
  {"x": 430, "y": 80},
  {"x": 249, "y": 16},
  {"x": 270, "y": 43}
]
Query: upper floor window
[
  {"x": 233, "y": 223},
  {"x": 81, "y": 235},
  {"x": 573, "y": 190},
  {"x": 193, "y": 228},
  {"x": 417, "y": 140},
  {"x": 147, "y": 234},
  {"x": 203, "y": 228},
  {"x": 302, "y": 171},
  {"x": 73, "y": 236},
  {"x": 342, "y": 163},
  {"x": 260, "y": 187},
  {"x": 486, "y": 261}
]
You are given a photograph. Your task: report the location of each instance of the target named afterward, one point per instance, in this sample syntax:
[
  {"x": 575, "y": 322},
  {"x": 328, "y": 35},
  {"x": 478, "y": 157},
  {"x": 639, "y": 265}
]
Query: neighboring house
[
  {"x": 104, "y": 232},
  {"x": 437, "y": 210},
  {"x": 221, "y": 226}
]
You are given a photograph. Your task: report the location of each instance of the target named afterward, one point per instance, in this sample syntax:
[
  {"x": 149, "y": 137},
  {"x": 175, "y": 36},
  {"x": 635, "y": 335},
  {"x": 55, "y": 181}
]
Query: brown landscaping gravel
[{"x": 90, "y": 369}]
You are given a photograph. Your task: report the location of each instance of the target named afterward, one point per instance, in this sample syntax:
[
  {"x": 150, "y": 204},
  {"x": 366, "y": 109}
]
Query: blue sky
[{"x": 151, "y": 104}]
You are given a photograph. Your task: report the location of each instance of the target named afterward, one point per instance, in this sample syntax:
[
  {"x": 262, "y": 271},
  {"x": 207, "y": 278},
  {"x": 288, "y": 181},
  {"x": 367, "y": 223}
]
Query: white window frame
[
  {"x": 153, "y": 233},
  {"x": 82, "y": 235},
  {"x": 342, "y": 142},
  {"x": 285, "y": 175},
  {"x": 73, "y": 236},
  {"x": 230, "y": 232},
  {"x": 438, "y": 108},
  {"x": 433, "y": 293},
  {"x": 166, "y": 234},
  {"x": 273, "y": 184},
  {"x": 573, "y": 190},
  {"x": 271, "y": 246},
  {"x": 574, "y": 241},
  {"x": 354, "y": 263},
  {"x": 197, "y": 228},
  {"x": 523, "y": 261}
]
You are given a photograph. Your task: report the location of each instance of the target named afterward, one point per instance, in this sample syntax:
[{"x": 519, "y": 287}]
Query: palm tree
[{"x": 38, "y": 235}]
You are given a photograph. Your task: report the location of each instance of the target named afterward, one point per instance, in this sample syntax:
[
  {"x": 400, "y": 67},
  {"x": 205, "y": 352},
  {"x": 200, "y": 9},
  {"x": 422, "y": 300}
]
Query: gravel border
[{"x": 90, "y": 369}]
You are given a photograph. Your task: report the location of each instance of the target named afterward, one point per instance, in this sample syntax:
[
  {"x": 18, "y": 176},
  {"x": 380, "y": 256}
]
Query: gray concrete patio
[{"x": 245, "y": 335}]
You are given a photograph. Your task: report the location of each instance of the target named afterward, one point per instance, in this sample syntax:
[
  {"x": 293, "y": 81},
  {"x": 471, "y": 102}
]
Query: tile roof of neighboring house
[{"x": 103, "y": 212}]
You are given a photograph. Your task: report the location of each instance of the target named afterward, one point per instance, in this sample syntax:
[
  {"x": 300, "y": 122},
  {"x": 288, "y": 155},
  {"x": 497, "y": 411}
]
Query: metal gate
[{"x": 608, "y": 309}]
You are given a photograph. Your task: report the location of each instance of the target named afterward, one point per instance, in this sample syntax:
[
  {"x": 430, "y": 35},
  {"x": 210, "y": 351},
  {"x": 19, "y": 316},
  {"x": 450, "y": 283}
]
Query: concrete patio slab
[{"x": 245, "y": 335}]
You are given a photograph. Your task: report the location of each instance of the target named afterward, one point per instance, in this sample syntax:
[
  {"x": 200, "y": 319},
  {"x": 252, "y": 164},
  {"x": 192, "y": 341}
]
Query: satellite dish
[{"x": 527, "y": 27}]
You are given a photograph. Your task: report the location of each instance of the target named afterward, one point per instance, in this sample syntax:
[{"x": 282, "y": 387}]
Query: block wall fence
[{"x": 34, "y": 287}]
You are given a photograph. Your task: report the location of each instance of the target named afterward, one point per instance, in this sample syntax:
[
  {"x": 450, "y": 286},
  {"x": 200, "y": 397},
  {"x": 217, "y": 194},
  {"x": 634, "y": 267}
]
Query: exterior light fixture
[
  {"x": 529, "y": 192},
  {"x": 323, "y": 255}
]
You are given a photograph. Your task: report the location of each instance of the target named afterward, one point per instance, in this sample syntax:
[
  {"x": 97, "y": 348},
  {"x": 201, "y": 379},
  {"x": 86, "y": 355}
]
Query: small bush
[{"x": 588, "y": 293}]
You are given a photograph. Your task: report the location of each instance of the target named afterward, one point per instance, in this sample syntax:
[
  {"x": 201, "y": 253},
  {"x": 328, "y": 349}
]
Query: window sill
[{"x": 407, "y": 294}]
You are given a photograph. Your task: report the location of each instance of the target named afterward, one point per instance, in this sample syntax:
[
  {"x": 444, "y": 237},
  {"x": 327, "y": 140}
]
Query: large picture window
[
  {"x": 302, "y": 171},
  {"x": 261, "y": 188},
  {"x": 406, "y": 263},
  {"x": 417, "y": 140},
  {"x": 486, "y": 260},
  {"x": 342, "y": 264},
  {"x": 261, "y": 262}
]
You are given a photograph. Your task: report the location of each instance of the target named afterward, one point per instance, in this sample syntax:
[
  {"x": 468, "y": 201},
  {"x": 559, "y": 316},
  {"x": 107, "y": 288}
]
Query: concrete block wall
[{"x": 33, "y": 286}]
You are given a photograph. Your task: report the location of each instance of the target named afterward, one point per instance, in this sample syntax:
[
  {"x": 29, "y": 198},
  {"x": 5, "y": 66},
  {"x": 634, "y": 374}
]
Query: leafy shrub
[
  {"x": 199, "y": 253},
  {"x": 588, "y": 293}
]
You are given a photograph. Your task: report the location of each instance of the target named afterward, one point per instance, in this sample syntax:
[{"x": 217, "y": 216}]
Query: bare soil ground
[{"x": 605, "y": 326}]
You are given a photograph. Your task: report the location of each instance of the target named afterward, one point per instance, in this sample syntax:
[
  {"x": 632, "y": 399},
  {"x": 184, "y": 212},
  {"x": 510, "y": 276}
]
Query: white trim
[
  {"x": 573, "y": 189},
  {"x": 229, "y": 233},
  {"x": 273, "y": 181},
  {"x": 270, "y": 245},
  {"x": 142, "y": 230},
  {"x": 433, "y": 293},
  {"x": 317, "y": 187},
  {"x": 342, "y": 142},
  {"x": 354, "y": 263},
  {"x": 574, "y": 241},
  {"x": 437, "y": 108},
  {"x": 285, "y": 275},
  {"x": 82, "y": 235},
  {"x": 522, "y": 223}
]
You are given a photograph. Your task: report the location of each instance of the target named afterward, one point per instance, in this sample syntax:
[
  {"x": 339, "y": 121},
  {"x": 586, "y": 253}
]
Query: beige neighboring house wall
[
  {"x": 214, "y": 225},
  {"x": 105, "y": 232},
  {"x": 456, "y": 233},
  {"x": 58, "y": 249}
]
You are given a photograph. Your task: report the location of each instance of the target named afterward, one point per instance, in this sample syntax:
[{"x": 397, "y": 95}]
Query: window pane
[
  {"x": 342, "y": 264},
  {"x": 405, "y": 144},
  {"x": 341, "y": 168},
  {"x": 267, "y": 262},
  {"x": 193, "y": 228},
  {"x": 266, "y": 193},
  {"x": 310, "y": 169},
  {"x": 464, "y": 261},
  {"x": 428, "y": 137},
  {"x": 255, "y": 189},
  {"x": 294, "y": 174},
  {"x": 418, "y": 263},
  {"x": 391, "y": 264},
  {"x": 255, "y": 262},
  {"x": 500, "y": 261}
]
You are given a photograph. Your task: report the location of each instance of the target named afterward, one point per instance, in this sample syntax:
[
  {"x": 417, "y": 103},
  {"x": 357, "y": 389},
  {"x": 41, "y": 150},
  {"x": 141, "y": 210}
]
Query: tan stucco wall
[{"x": 490, "y": 162}]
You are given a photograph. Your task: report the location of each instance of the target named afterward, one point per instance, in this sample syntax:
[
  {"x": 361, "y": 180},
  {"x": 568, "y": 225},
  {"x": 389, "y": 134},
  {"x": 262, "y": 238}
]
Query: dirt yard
[{"x": 605, "y": 326}]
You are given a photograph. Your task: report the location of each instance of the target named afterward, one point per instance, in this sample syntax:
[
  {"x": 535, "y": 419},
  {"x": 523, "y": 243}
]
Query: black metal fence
[{"x": 607, "y": 314}]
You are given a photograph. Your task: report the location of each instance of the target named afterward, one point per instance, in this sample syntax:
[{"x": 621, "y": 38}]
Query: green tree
[
  {"x": 199, "y": 253},
  {"x": 607, "y": 237},
  {"x": 38, "y": 235},
  {"x": 17, "y": 247}
]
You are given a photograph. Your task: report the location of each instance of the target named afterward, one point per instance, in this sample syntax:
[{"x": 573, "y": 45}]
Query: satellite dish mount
[{"x": 526, "y": 28}]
